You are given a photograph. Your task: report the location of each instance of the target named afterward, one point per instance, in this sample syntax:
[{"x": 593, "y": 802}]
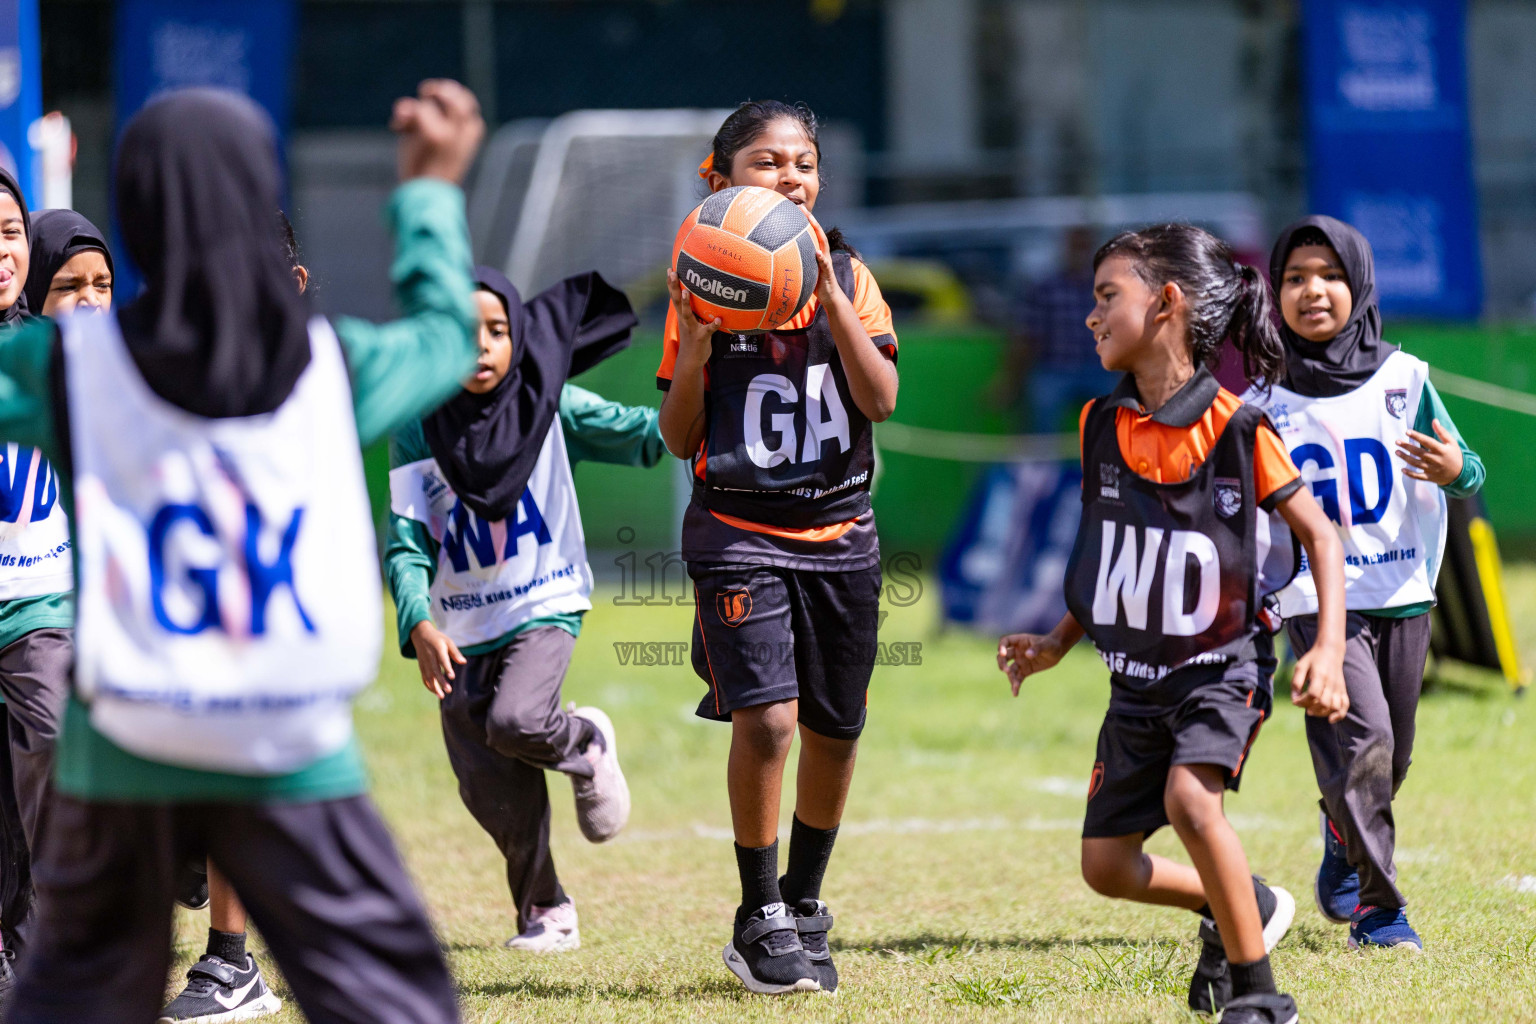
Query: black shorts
[
  {"x": 763, "y": 634},
  {"x": 1215, "y": 723}
]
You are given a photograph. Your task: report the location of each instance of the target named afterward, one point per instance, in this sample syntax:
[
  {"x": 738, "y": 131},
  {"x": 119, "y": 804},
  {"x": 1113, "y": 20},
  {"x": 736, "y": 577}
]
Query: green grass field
[{"x": 955, "y": 881}]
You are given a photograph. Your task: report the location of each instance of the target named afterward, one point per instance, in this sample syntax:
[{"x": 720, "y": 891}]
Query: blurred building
[{"x": 952, "y": 98}]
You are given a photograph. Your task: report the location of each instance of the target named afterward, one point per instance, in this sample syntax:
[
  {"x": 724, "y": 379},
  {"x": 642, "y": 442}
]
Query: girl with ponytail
[{"x": 1168, "y": 577}]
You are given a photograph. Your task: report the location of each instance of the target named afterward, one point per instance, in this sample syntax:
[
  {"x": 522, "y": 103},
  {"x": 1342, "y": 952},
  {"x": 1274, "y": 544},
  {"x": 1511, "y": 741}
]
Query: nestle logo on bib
[{"x": 718, "y": 289}]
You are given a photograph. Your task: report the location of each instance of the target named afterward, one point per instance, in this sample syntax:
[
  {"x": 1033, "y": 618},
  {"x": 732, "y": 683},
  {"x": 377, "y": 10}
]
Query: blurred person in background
[{"x": 1049, "y": 368}]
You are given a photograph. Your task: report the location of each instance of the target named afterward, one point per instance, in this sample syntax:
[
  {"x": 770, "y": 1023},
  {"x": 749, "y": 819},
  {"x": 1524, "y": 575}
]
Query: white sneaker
[
  {"x": 550, "y": 930},
  {"x": 602, "y": 802}
]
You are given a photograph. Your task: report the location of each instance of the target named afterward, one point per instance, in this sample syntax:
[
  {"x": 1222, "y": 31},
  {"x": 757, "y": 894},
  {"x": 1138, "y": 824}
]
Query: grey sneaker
[{"x": 602, "y": 802}]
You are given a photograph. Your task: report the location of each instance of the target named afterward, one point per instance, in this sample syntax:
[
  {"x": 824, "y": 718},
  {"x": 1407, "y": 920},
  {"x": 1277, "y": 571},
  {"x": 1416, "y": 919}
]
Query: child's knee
[
  {"x": 1109, "y": 872},
  {"x": 766, "y": 731},
  {"x": 521, "y": 736},
  {"x": 1193, "y": 803}
]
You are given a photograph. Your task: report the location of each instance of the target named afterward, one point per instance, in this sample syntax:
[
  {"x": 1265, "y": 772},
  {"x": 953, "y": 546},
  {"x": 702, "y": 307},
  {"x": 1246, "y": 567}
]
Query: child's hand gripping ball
[{"x": 747, "y": 257}]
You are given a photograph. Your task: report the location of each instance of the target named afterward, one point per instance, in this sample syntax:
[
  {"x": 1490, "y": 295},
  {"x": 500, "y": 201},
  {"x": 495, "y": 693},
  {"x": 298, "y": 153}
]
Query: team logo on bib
[
  {"x": 1109, "y": 481},
  {"x": 733, "y": 606},
  {"x": 1397, "y": 402},
  {"x": 1228, "y": 497}
]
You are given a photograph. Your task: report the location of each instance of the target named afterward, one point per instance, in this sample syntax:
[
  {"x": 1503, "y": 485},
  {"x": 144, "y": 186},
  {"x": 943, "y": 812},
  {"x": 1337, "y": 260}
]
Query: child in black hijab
[
  {"x": 71, "y": 265},
  {"x": 1363, "y": 422},
  {"x": 492, "y": 626},
  {"x": 228, "y": 588}
]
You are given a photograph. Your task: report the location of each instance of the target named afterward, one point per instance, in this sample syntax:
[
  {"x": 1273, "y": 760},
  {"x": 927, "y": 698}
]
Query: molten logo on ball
[{"x": 719, "y": 289}]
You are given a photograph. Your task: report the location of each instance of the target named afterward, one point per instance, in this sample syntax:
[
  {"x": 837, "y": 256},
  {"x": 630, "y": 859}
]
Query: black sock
[
  {"x": 1261, "y": 892},
  {"x": 759, "y": 868},
  {"x": 809, "y": 851},
  {"x": 1254, "y": 977},
  {"x": 227, "y": 946}
]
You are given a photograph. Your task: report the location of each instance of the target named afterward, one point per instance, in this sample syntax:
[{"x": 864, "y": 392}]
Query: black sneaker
[
  {"x": 221, "y": 991},
  {"x": 813, "y": 920},
  {"x": 192, "y": 885},
  {"x": 1261, "y": 1008},
  {"x": 1211, "y": 987},
  {"x": 765, "y": 953}
]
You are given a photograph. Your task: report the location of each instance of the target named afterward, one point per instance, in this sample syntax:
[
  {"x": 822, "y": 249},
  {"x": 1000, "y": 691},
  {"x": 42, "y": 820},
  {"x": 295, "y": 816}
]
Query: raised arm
[
  {"x": 403, "y": 369},
  {"x": 598, "y": 430}
]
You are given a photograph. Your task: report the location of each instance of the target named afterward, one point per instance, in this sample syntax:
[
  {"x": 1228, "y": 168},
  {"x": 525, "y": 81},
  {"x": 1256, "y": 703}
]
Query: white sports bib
[
  {"x": 229, "y": 603},
  {"x": 35, "y": 557},
  {"x": 493, "y": 577},
  {"x": 1393, "y": 527}
]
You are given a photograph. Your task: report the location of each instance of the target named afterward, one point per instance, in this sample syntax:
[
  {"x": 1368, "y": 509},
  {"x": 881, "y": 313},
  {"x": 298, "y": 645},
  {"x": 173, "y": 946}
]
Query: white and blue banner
[
  {"x": 1389, "y": 144},
  {"x": 21, "y": 89},
  {"x": 244, "y": 45}
]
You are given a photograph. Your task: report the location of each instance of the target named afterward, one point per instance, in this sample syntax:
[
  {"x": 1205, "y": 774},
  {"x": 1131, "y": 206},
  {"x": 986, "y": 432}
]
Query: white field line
[{"x": 915, "y": 826}]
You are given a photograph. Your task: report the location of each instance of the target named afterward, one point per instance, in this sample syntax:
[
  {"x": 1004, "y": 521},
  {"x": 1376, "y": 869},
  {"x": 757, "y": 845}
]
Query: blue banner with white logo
[
  {"x": 21, "y": 89},
  {"x": 244, "y": 45},
  {"x": 1390, "y": 145}
]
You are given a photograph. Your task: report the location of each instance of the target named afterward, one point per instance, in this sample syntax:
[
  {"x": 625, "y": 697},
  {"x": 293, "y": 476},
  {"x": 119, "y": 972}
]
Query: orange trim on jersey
[
  {"x": 816, "y": 533},
  {"x": 1167, "y": 454},
  {"x": 714, "y": 689}
]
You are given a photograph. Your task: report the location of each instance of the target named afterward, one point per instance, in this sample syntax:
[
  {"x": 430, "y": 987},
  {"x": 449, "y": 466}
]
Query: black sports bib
[
  {"x": 786, "y": 445},
  {"x": 1167, "y": 575}
]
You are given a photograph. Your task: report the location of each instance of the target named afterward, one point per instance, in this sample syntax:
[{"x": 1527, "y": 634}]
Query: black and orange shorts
[
  {"x": 762, "y": 634},
  {"x": 1214, "y": 722}
]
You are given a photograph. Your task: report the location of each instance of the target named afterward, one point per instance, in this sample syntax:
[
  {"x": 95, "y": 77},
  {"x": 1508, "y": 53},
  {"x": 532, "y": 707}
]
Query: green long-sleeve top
[
  {"x": 1468, "y": 482},
  {"x": 595, "y": 429},
  {"x": 398, "y": 370}
]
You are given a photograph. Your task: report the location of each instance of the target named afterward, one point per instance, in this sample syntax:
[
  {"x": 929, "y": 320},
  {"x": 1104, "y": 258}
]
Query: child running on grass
[
  {"x": 226, "y": 983},
  {"x": 781, "y": 546},
  {"x": 1165, "y": 579},
  {"x": 488, "y": 564},
  {"x": 1348, "y": 404},
  {"x": 229, "y": 600}
]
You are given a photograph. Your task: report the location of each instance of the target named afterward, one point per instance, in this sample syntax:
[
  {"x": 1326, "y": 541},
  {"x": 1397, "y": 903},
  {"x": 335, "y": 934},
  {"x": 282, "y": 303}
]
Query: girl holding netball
[
  {"x": 1165, "y": 579},
  {"x": 782, "y": 551},
  {"x": 1348, "y": 404}
]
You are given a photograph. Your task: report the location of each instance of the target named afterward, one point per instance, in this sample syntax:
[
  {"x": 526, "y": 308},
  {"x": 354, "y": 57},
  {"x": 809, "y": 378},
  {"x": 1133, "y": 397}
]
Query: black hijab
[
  {"x": 16, "y": 311},
  {"x": 57, "y": 236},
  {"x": 1328, "y": 368},
  {"x": 486, "y": 445},
  {"x": 220, "y": 329}
]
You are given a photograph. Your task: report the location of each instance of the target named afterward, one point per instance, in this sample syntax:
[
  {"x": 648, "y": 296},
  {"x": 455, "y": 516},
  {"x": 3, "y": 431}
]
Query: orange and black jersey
[
  {"x": 783, "y": 473},
  {"x": 873, "y": 312},
  {"x": 1168, "y": 445}
]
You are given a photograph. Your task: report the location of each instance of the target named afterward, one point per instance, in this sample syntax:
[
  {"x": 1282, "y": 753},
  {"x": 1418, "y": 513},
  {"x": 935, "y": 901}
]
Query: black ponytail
[
  {"x": 750, "y": 120},
  {"x": 1226, "y": 299}
]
